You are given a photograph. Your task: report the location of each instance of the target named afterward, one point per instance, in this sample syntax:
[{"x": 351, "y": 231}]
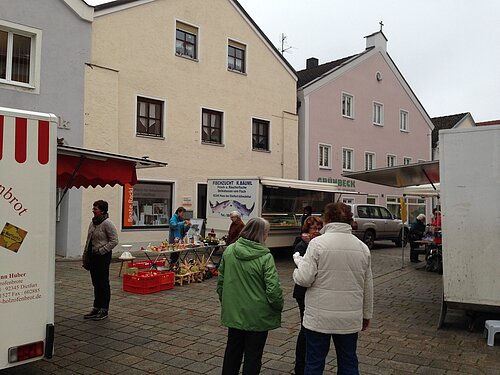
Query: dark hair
[
  {"x": 338, "y": 213},
  {"x": 180, "y": 209},
  {"x": 102, "y": 205},
  {"x": 309, "y": 222},
  {"x": 256, "y": 230},
  {"x": 308, "y": 209}
]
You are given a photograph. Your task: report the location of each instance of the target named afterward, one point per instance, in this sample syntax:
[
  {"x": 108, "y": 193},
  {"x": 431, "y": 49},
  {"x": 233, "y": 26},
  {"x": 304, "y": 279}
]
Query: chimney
[
  {"x": 377, "y": 40},
  {"x": 312, "y": 62}
]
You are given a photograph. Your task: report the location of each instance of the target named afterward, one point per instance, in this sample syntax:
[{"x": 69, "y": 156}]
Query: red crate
[
  {"x": 144, "y": 282},
  {"x": 142, "y": 264},
  {"x": 167, "y": 280}
]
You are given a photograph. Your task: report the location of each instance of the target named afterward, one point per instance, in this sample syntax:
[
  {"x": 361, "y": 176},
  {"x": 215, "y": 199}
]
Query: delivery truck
[
  {"x": 28, "y": 151},
  {"x": 280, "y": 201}
]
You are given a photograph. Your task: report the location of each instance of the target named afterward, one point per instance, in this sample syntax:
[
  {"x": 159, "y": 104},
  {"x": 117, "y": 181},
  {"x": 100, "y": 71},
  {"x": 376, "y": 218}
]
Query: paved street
[{"x": 178, "y": 331}]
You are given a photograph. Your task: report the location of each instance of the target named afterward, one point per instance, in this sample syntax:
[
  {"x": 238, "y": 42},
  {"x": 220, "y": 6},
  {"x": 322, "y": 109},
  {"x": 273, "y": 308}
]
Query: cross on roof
[{"x": 381, "y": 25}]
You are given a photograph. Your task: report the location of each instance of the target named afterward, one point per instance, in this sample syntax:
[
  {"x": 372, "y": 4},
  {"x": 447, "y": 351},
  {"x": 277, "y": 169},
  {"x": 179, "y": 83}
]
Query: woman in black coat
[{"x": 310, "y": 229}]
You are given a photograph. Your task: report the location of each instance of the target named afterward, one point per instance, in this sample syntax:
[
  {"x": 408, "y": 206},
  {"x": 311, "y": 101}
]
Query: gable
[
  {"x": 356, "y": 62},
  {"x": 119, "y": 5}
]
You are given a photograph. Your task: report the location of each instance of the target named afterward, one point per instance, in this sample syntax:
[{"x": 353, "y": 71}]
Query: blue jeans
[{"x": 318, "y": 345}]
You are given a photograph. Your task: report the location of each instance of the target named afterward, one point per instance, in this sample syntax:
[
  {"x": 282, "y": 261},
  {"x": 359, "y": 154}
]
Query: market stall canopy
[
  {"x": 400, "y": 176},
  {"x": 423, "y": 191},
  {"x": 81, "y": 167}
]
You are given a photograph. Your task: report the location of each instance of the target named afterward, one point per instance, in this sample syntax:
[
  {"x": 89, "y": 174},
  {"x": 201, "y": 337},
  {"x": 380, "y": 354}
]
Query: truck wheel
[{"x": 369, "y": 239}]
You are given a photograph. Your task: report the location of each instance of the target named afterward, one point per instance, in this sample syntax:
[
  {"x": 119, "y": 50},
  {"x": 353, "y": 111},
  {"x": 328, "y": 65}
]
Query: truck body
[
  {"x": 28, "y": 152},
  {"x": 470, "y": 207},
  {"x": 280, "y": 201}
]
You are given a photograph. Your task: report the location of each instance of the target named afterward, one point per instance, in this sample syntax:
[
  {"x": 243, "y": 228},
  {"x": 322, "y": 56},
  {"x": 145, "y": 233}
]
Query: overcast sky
[{"x": 448, "y": 50}]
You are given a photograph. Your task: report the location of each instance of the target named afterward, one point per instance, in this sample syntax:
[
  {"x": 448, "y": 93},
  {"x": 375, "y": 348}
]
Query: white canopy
[{"x": 423, "y": 190}]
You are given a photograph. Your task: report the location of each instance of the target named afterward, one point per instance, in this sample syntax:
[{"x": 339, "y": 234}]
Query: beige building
[{"x": 196, "y": 84}]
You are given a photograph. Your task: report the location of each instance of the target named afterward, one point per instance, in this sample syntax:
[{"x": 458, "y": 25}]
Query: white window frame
[
  {"x": 380, "y": 120},
  {"x": 387, "y": 160},
  {"x": 347, "y": 95},
  {"x": 223, "y": 127},
  {"x": 191, "y": 25},
  {"x": 164, "y": 117},
  {"x": 321, "y": 147},
  {"x": 233, "y": 42},
  {"x": 35, "y": 56},
  {"x": 351, "y": 153},
  {"x": 269, "y": 134},
  {"x": 404, "y": 120},
  {"x": 371, "y": 155},
  {"x": 407, "y": 160},
  {"x": 372, "y": 196}
]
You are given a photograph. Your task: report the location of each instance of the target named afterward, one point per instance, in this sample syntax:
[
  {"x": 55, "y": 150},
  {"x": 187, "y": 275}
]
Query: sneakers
[
  {"x": 92, "y": 314},
  {"x": 101, "y": 314}
]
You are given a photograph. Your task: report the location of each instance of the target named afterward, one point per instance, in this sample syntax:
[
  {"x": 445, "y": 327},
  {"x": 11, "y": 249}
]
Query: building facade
[
  {"x": 359, "y": 113},
  {"x": 44, "y": 45},
  {"x": 193, "y": 83}
]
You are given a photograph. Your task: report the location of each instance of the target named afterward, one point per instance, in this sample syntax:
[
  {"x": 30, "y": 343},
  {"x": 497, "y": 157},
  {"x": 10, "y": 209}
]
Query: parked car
[{"x": 374, "y": 223}]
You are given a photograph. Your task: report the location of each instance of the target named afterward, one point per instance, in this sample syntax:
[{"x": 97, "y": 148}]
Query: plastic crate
[
  {"x": 167, "y": 280},
  {"x": 143, "y": 264},
  {"x": 145, "y": 282}
]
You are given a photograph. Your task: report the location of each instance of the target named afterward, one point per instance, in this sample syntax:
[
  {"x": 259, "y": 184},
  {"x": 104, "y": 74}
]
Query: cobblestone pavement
[{"x": 178, "y": 331}]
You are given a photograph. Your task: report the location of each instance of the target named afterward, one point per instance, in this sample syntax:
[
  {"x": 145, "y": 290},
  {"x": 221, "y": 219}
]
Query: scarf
[{"x": 99, "y": 219}]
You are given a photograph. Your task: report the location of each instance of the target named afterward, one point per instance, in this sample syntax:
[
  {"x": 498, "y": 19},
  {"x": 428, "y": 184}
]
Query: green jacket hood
[{"x": 247, "y": 250}]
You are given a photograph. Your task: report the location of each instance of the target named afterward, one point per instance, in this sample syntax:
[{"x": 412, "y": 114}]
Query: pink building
[{"x": 359, "y": 113}]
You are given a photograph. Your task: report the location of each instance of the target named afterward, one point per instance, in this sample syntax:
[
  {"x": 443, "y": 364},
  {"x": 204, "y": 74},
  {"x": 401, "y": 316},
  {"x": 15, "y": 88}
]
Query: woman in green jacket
[{"x": 250, "y": 293}]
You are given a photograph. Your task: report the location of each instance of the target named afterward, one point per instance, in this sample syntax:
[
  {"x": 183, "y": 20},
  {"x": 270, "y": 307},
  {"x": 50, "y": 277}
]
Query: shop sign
[
  {"x": 338, "y": 181},
  {"x": 225, "y": 196}
]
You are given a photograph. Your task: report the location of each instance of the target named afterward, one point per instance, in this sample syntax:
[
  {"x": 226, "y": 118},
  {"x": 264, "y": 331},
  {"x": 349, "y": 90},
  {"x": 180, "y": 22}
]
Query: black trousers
[
  {"x": 414, "y": 251},
  {"x": 99, "y": 272},
  {"x": 300, "y": 348},
  {"x": 239, "y": 343}
]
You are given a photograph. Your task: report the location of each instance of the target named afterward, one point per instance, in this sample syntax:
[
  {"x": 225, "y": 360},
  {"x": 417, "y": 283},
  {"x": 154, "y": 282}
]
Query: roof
[
  {"x": 309, "y": 75},
  {"x": 486, "y": 123},
  {"x": 238, "y": 6},
  {"x": 401, "y": 175},
  {"x": 445, "y": 122}
]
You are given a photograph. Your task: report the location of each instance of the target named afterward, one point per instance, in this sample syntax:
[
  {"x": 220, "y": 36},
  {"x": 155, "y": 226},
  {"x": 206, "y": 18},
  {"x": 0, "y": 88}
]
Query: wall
[{"x": 142, "y": 54}]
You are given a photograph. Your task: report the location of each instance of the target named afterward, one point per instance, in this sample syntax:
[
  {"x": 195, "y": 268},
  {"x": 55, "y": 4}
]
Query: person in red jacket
[{"x": 235, "y": 228}]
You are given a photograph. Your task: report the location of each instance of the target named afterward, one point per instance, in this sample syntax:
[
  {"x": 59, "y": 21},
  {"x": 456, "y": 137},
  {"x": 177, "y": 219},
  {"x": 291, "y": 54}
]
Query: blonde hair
[{"x": 256, "y": 230}]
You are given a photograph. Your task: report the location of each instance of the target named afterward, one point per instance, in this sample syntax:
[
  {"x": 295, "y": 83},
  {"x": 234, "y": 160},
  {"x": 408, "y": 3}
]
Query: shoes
[
  {"x": 415, "y": 261},
  {"x": 92, "y": 314},
  {"x": 101, "y": 314}
]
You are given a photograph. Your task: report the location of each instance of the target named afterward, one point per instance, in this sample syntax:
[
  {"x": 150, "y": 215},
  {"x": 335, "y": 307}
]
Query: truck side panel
[
  {"x": 28, "y": 154},
  {"x": 470, "y": 202}
]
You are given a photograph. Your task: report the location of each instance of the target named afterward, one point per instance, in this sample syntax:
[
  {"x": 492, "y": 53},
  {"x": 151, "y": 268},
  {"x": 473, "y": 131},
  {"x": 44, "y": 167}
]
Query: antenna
[{"x": 283, "y": 44}]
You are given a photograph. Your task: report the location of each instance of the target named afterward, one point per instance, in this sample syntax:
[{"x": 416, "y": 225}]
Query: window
[
  {"x": 149, "y": 117},
  {"x": 325, "y": 156},
  {"x": 236, "y": 56},
  {"x": 403, "y": 121},
  {"x": 369, "y": 161},
  {"x": 406, "y": 161},
  {"x": 185, "y": 40},
  {"x": 347, "y": 162},
  {"x": 347, "y": 105},
  {"x": 371, "y": 199},
  {"x": 384, "y": 212},
  {"x": 147, "y": 205},
  {"x": 378, "y": 114},
  {"x": 211, "y": 131},
  {"x": 391, "y": 160},
  {"x": 19, "y": 54},
  {"x": 260, "y": 135}
]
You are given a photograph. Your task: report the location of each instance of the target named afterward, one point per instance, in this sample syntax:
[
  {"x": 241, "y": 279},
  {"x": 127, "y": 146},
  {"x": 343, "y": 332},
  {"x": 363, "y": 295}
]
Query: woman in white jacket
[{"x": 339, "y": 300}]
